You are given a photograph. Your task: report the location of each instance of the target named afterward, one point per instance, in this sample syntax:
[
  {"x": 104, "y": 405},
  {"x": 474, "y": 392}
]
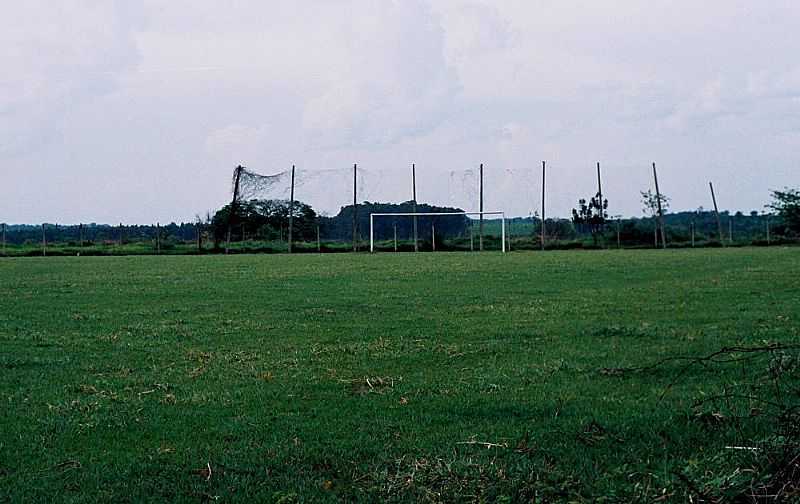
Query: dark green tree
[
  {"x": 591, "y": 216},
  {"x": 787, "y": 204},
  {"x": 264, "y": 219}
]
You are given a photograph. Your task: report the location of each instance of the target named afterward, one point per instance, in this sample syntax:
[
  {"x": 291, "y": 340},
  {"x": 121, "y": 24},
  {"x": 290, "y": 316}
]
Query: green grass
[{"x": 375, "y": 377}]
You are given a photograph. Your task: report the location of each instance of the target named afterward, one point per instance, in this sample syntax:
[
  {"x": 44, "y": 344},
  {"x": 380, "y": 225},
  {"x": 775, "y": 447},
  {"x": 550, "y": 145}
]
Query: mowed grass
[{"x": 403, "y": 377}]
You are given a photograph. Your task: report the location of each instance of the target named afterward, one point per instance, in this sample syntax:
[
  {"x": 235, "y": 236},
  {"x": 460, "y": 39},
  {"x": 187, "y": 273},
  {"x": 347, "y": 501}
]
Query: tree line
[{"x": 268, "y": 220}]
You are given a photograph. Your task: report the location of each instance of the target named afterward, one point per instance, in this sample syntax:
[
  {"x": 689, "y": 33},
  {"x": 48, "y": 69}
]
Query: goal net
[{"x": 373, "y": 217}]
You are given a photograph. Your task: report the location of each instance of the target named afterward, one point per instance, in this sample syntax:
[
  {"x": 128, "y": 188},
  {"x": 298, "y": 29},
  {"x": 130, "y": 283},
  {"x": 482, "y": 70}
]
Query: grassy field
[{"x": 427, "y": 377}]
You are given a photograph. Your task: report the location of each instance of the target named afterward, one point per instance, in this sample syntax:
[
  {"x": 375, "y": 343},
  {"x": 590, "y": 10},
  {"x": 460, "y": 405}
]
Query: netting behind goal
[{"x": 333, "y": 192}]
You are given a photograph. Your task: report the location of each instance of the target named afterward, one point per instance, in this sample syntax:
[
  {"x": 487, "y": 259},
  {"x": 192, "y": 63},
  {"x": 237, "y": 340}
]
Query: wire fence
[{"x": 351, "y": 193}]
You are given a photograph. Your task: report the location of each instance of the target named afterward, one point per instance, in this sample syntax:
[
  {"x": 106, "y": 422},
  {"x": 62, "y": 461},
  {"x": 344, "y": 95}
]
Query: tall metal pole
[
  {"x": 471, "y": 237},
  {"x": 355, "y": 208},
  {"x": 730, "y": 228},
  {"x": 660, "y": 211},
  {"x": 414, "y": 203},
  {"x": 600, "y": 196},
  {"x": 44, "y": 242},
  {"x": 600, "y": 189},
  {"x": 291, "y": 211},
  {"x": 433, "y": 236},
  {"x": 543, "y": 207},
  {"x": 768, "y": 237},
  {"x": 198, "y": 229},
  {"x": 716, "y": 213},
  {"x": 480, "y": 226},
  {"x": 232, "y": 209}
]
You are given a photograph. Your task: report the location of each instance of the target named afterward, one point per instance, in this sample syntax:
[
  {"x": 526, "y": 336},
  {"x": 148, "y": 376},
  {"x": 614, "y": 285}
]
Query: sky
[{"x": 138, "y": 111}]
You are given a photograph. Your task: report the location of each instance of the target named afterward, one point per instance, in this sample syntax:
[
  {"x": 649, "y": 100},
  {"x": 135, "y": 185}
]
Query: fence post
[
  {"x": 414, "y": 204},
  {"x": 730, "y": 228},
  {"x": 291, "y": 211},
  {"x": 768, "y": 237},
  {"x": 471, "y": 237},
  {"x": 543, "y": 207},
  {"x": 355, "y": 208},
  {"x": 480, "y": 230}
]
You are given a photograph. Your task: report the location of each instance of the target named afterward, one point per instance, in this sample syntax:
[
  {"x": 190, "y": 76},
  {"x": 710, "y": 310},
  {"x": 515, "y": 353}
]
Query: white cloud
[
  {"x": 157, "y": 101},
  {"x": 58, "y": 55}
]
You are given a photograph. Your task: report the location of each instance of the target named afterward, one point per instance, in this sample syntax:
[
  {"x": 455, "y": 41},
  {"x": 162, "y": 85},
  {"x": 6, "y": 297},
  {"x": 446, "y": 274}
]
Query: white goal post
[{"x": 432, "y": 214}]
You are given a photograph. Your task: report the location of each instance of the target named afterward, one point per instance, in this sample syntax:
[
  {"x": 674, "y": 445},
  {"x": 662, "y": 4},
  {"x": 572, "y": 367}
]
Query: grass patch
[{"x": 406, "y": 378}]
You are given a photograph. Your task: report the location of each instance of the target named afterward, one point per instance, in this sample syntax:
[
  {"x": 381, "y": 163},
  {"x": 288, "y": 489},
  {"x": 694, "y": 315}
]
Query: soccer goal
[{"x": 373, "y": 216}]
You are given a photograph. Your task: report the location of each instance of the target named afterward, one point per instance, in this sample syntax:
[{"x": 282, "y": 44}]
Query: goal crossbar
[{"x": 431, "y": 214}]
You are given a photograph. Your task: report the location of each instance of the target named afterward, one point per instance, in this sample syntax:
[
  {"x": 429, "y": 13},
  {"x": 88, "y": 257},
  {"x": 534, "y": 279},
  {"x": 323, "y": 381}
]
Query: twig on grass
[{"x": 485, "y": 444}]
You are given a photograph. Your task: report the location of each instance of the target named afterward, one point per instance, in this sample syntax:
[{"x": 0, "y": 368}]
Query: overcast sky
[{"x": 138, "y": 110}]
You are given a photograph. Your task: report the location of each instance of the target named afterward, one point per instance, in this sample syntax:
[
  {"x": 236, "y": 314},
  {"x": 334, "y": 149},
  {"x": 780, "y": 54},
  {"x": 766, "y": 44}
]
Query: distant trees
[{"x": 787, "y": 204}]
